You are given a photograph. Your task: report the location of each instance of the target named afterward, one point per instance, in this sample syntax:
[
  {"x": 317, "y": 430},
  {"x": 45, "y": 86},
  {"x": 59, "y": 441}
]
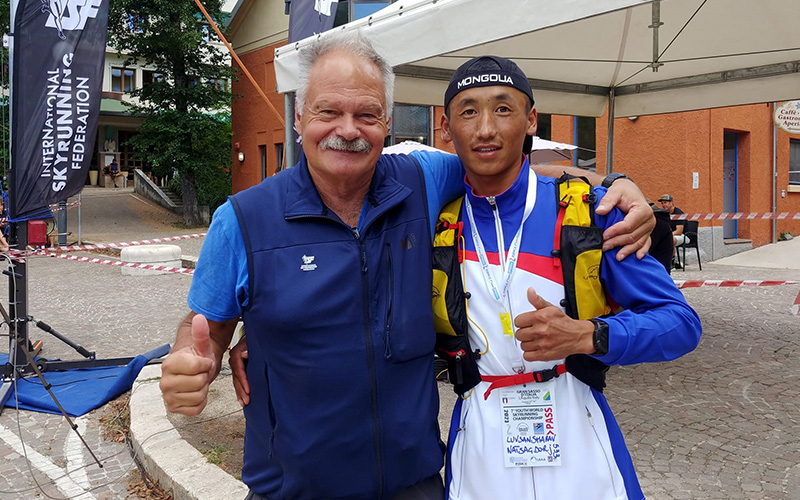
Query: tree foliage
[{"x": 185, "y": 110}]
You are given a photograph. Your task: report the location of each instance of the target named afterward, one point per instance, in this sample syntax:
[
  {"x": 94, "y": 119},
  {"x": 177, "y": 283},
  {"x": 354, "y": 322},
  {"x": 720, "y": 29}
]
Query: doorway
[{"x": 730, "y": 183}]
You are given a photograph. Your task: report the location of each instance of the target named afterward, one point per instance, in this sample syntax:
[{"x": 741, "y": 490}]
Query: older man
[{"x": 329, "y": 264}]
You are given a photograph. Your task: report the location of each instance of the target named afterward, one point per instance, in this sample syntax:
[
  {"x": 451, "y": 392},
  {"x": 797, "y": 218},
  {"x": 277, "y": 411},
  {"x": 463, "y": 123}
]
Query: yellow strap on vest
[
  {"x": 449, "y": 214},
  {"x": 589, "y": 293}
]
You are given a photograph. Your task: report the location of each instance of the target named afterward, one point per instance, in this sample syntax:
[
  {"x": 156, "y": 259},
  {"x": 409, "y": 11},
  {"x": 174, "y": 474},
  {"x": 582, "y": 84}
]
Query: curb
[{"x": 177, "y": 466}]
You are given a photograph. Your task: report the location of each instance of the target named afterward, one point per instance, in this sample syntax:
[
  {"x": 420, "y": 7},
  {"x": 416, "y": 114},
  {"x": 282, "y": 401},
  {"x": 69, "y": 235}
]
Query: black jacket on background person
[{"x": 661, "y": 238}]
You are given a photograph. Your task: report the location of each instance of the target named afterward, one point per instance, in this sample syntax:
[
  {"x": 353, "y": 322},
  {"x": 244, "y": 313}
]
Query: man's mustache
[{"x": 338, "y": 143}]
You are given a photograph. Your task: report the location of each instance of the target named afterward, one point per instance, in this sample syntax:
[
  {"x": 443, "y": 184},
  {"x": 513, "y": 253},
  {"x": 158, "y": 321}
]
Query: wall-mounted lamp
[
  {"x": 633, "y": 118},
  {"x": 241, "y": 155}
]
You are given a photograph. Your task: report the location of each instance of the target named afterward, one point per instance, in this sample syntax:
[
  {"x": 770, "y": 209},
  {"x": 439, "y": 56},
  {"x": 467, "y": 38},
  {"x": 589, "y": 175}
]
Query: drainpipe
[{"x": 774, "y": 175}]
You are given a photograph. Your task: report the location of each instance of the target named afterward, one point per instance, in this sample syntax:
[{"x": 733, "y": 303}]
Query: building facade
[
  {"x": 116, "y": 125},
  {"x": 710, "y": 161}
]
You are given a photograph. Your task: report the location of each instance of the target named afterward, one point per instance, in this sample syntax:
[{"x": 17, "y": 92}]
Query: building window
[
  {"x": 123, "y": 79},
  {"x": 586, "y": 142},
  {"x": 411, "y": 123},
  {"x": 350, "y": 10},
  {"x": 262, "y": 152},
  {"x": 544, "y": 129},
  {"x": 217, "y": 83},
  {"x": 279, "y": 157},
  {"x": 127, "y": 159},
  {"x": 365, "y": 8},
  {"x": 149, "y": 76},
  {"x": 794, "y": 161}
]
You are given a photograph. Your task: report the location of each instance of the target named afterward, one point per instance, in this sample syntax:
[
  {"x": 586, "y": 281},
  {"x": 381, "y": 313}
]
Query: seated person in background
[
  {"x": 678, "y": 238},
  {"x": 662, "y": 245},
  {"x": 113, "y": 172}
]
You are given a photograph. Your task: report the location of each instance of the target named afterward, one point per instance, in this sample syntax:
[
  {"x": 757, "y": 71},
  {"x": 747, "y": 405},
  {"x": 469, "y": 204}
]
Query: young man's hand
[{"x": 238, "y": 355}]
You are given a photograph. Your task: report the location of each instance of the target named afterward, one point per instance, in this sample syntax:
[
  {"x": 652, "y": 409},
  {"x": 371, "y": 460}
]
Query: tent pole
[
  {"x": 288, "y": 114},
  {"x": 610, "y": 144}
]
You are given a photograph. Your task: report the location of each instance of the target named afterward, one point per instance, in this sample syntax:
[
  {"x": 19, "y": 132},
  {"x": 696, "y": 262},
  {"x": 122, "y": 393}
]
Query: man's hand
[
  {"x": 237, "y": 356},
  {"x": 547, "y": 334},
  {"x": 187, "y": 373},
  {"x": 633, "y": 232}
]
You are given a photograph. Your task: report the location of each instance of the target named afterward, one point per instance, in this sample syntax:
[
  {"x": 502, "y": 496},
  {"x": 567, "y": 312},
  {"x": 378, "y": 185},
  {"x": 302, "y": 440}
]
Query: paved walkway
[
  {"x": 722, "y": 422},
  {"x": 104, "y": 311}
]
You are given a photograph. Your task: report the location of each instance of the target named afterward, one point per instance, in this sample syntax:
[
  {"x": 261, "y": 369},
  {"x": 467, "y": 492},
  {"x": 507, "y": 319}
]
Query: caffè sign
[{"x": 787, "y": 116}]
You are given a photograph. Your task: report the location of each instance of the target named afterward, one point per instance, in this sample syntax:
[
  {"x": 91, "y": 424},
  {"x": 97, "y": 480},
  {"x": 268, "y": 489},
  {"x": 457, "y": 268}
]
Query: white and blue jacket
[{"x": 656, "y": 325}]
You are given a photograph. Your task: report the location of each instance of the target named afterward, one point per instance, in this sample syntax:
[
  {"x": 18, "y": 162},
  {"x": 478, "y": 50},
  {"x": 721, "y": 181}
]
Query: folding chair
[{"x": 690, "y": 230}]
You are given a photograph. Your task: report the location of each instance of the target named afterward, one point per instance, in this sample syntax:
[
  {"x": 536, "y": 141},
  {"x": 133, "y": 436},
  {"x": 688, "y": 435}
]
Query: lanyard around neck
[{"x": 513, "y": 249}]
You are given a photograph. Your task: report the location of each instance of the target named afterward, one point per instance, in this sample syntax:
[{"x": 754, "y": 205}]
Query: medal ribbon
[{"x": 513, "y": 249}]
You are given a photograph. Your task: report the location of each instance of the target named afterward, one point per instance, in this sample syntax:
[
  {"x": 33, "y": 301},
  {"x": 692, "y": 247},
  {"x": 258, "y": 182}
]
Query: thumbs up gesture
[
  {"x": 189, "y": 369},
  {"x": 547, "y": 334}
]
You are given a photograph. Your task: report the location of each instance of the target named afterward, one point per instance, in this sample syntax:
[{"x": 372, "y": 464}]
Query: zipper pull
[
  {"x": 589, "y": 416},
  {"x": 491, "y": 201},
  {"x": 363, "y": 258},
  {"x": 459, "y": 372}
]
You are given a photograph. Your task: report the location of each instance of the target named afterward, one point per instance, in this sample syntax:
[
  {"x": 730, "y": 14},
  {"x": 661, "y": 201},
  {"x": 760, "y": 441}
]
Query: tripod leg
[
  {"x": 5, "y": 393},
  {"x": 80, "y": 350},
  {"x": 60, "y": 408}
]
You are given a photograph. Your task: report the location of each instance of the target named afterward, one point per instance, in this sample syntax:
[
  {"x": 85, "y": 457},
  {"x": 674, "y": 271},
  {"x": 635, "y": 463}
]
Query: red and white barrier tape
[
  {"x": 738, "y": 216},
  {"x": 118, "y": 263},
  {"x": 730, "y": 283},
  {"x": 796, "y": 306},
  {"x": 102, "y": 246}
]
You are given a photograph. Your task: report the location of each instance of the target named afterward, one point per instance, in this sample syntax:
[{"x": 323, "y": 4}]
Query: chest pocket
[{"x": 402, "y": 290}]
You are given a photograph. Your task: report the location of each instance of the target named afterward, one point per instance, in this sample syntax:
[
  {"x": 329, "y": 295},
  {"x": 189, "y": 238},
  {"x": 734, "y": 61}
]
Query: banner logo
[
  {"x": 69, "y": 15},
  {"x": 324, "y": 6}
]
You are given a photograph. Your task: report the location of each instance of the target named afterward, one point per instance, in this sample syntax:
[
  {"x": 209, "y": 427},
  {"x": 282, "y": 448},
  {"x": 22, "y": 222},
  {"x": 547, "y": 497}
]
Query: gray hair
[{"x": 352, "y": 42}]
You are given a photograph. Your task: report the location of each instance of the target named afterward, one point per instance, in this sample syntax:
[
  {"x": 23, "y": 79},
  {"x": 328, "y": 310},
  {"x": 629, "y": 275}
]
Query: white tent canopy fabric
[{"x": 581, "y": 55}]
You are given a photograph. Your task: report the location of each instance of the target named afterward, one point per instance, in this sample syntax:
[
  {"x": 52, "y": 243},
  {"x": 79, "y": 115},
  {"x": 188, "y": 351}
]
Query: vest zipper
[
  {"x": 370, "y": 348},
  {"x": 387, "y": 322},
  {"x": 498, "y": 228}
]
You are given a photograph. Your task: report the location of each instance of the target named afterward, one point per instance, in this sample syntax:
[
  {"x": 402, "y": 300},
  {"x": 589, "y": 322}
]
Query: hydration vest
[{"x": 577, "y": 248}]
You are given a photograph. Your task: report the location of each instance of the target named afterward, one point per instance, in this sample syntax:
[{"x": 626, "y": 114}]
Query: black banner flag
[{"x": 59, "y": 52}]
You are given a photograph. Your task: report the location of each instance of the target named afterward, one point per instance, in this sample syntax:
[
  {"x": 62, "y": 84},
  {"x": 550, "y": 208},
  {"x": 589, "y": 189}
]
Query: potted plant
[{"x": 94, "y": 171}]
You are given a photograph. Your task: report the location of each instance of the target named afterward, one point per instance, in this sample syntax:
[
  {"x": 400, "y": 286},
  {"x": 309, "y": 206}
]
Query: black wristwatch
[
  {"x": 610, "y": 178},
  {"x": 600, "y": 337}
]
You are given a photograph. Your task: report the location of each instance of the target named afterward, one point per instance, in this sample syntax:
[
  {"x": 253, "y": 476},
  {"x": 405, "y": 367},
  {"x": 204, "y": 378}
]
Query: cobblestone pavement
[
  {"x": 104, "y": 311},
  {"x": 722, "y": 422}
]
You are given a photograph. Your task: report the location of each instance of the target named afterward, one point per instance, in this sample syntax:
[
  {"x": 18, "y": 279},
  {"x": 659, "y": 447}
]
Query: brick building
[{"x": 711, "y": 161}]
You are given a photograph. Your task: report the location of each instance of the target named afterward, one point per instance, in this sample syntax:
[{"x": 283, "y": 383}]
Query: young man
[{"x": 517, "y": 434}]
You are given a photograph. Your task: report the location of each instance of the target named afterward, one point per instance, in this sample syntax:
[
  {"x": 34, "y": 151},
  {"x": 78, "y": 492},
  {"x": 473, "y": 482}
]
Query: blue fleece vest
[{"x": 340, "y": 339}]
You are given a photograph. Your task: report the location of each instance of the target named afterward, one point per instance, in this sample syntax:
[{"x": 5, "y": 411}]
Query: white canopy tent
[{"x": 638, "y": 57}]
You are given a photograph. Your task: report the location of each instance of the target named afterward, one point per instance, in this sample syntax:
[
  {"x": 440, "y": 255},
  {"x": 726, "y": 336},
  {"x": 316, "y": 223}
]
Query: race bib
[{"x": 530, "y": 435}]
